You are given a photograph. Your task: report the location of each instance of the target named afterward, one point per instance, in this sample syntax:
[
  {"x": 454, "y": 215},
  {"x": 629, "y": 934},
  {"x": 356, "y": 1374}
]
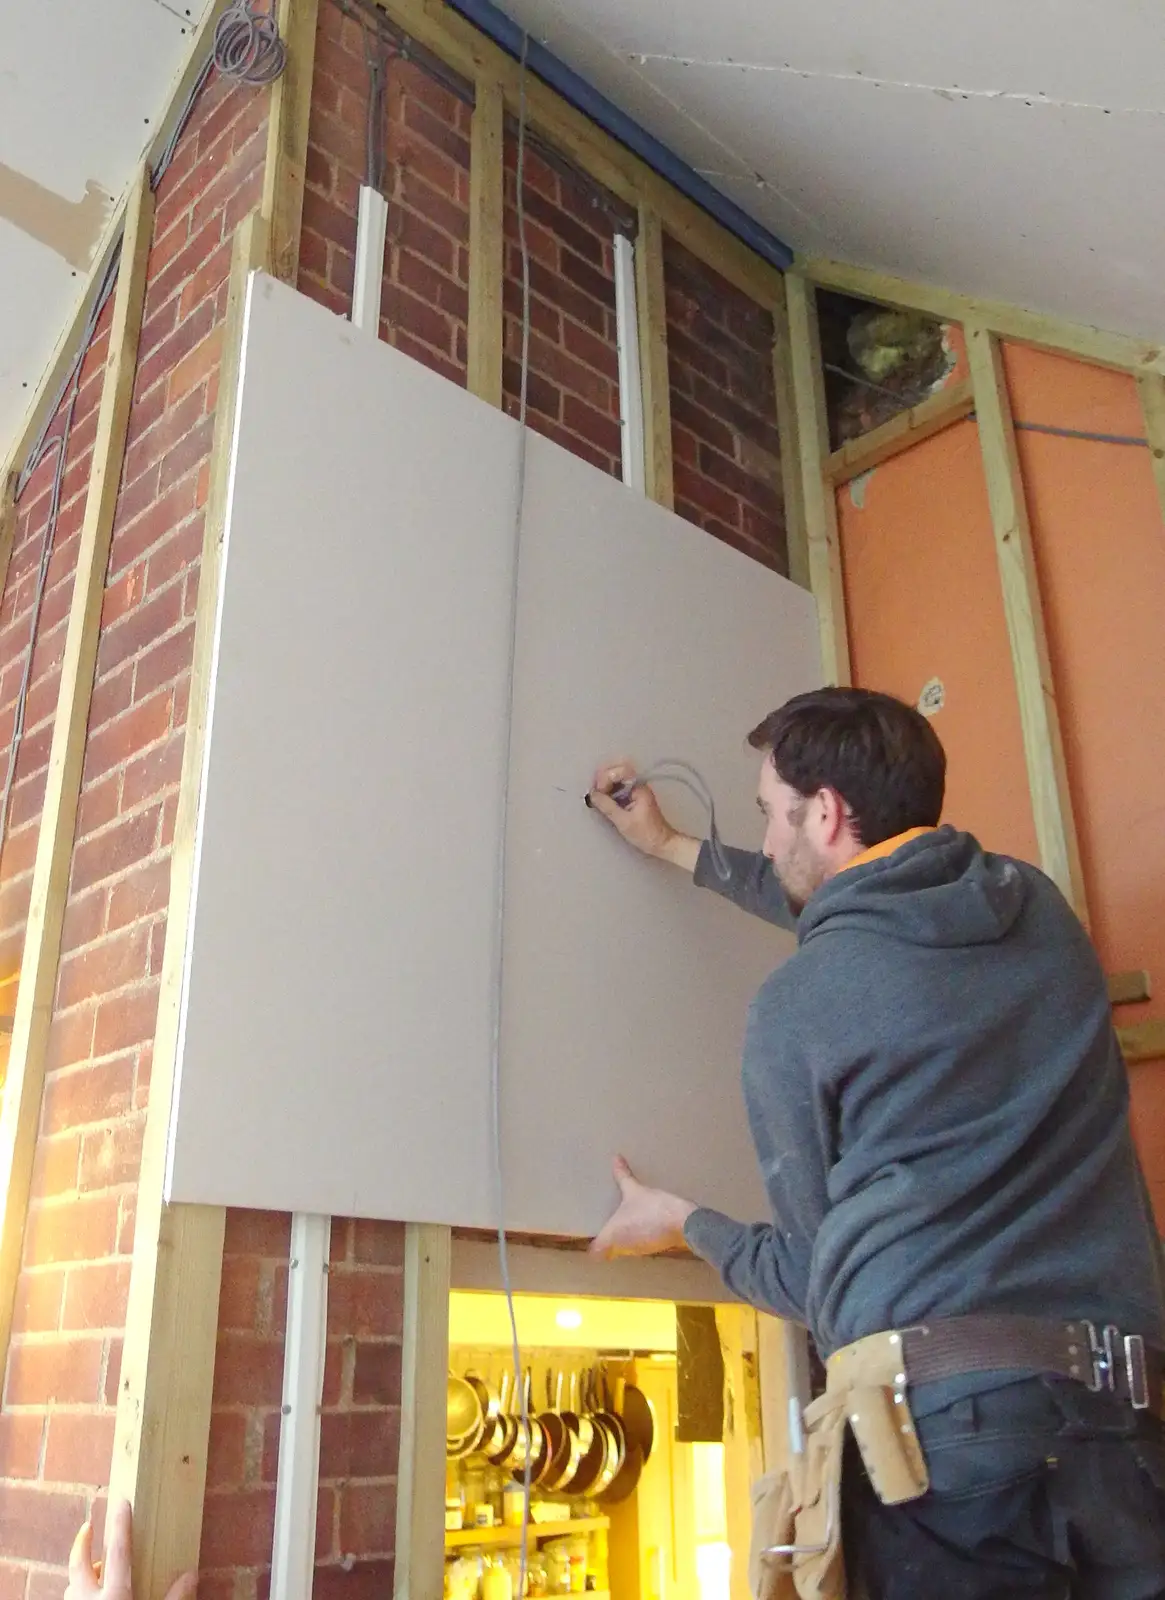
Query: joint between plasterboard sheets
[{"x": 943, "y": 91}]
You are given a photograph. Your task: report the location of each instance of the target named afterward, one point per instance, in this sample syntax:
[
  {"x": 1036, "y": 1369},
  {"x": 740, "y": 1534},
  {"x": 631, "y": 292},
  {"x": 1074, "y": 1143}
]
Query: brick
[
  {"x": 428, "y": 284},
  {"x": 39, "y": 1295},
  {"x": 440, "y": 209},
  {"x": 542, "y": 396},
  {"x": 238, "y": 1307},
  {"x": 380, "y": 1244},
  {"x": 112, "y": 1156},
  {"x": 237, "y": 1528},
  {"x": 87, "y": 1094},
  {"x": 366, "y": 1304},
  {"x": 115, "y": 849},
  {"x": 84, "y": 920},
  {"x": 55, "y": 1166},
  {"x": 131, "y": 540},
  {"x": 708, "y": 496},
  {"x": 70, "y": 1038},
  {"x": 359, "y": 1444},
  {"x": 597, "y": 427},
  {"x": 124, "y": 1021},
  {"x": 153, "y": 774},
  {"x": 142, "y": 893},
  {"x": 166, "y": 661},
  {"x": 98, "y": 805},
  {"x": 248, "y": 1371},
  {"x": 127, "y": 1222},
  {"x": 401, "y": 310},
  {"x": 139, "y": 629},
  {"x": 129, "y": 734},
  {"x": 376, "y": 1378},
  {"x": 59, "y": 1372},
  {"x": 14, "y": 1581},
  {"x": 96, "y": 1295},
  {"x": 178, "y": 555},
  {"x": 355, "y": 1580},
  {"x": 741, "y": 483},
  {"x": 21, "y": 1435},
  {"x": 113, "y": 1371},
  {"x": 79, "y": 1229},
  {"x": 188, "y": 336},
  {"x": 39, "y": 1525},
  {"x": 154, "y": 445},
  {"x": 368, "y": 1518},
  {"x": 79, "y": 1448},
  {"x": 226, "y": 1449}
]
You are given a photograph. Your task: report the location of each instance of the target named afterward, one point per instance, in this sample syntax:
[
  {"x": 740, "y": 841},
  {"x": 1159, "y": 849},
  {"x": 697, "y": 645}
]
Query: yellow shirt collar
[{"x": 886, "y": 848}]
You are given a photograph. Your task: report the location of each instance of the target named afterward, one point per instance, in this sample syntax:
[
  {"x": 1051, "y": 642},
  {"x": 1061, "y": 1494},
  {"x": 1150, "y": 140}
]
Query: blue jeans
[{"x": 1040, "y": 1489}]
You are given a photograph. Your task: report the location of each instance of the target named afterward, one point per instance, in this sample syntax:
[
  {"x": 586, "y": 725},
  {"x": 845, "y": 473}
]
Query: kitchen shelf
[{"x": 455, "y": 1538}]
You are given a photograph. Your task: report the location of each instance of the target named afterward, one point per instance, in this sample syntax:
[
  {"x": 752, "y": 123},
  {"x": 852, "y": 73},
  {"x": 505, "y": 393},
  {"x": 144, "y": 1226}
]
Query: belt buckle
[
  {"x": 1112, "y": 1352},
  {"x": 1136, "y": 1372},
  {"x": 1102, "y": 1350}
]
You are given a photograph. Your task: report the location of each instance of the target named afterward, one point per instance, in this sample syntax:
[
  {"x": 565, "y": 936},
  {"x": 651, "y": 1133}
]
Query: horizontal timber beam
[
  {"x": 1085, "y": 343},
  {"x": 901, "y": 433}
]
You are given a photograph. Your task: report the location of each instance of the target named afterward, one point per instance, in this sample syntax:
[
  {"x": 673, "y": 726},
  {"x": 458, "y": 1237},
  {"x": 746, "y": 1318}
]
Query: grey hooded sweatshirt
[{"x": 939, "y": 1106}]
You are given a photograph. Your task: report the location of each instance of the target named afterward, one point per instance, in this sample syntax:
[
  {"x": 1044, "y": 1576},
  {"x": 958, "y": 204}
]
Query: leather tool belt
[{"x": 796, "y": 1542}]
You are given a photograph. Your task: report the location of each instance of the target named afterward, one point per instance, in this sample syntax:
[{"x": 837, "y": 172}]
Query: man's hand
[
  {"x": 647, "y": 1222},
  {"x": 640, "y": 821},
  {"x": 113, "y": 1580}
]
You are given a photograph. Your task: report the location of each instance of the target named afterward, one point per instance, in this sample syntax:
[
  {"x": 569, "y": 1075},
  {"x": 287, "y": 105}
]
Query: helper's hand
[
  {"x": 113, "y": 1579},
  {"x": 641, "y": 822},
  {"x": 647, "y": 1222}
]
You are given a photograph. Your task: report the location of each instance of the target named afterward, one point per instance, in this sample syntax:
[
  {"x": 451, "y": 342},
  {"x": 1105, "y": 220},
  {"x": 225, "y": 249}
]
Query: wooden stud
[
  {"x": 901, "y": 433},
  {"x": 8, "y": 516},
  {"x": 651, "y": 304},
  {"x": 287, "y": 130},
  {"x": 45, "y": 396},
  {"x": 1103, "y": 349},
  {"x": 823, "y": 540},
  {"x": 420, "y": 1493},
  {"x": 486, "y": 243},
  {"x": 24, "y": 1088},
  {"x": 461, "y": 46},
  {"x": 792, "y": 489},
  {"x": 1143, "y": 1041},
  {"x": 1128, "y": 988},
  {"x": 1038, "y": 711},
  {"x": 163, "y": 1399},
  {"x": 1152, "y": 392}
]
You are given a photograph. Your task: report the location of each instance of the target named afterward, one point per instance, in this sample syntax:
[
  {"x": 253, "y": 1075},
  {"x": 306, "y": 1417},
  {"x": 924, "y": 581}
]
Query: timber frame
[{"x": 163, "y": 1408}]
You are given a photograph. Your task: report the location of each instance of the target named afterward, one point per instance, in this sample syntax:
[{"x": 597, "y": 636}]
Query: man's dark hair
[{"x": 881, "y": 756}]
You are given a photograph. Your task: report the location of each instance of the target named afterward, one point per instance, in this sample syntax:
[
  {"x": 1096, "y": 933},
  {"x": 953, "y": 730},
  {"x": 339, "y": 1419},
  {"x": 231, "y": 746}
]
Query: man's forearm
[{"x": 682, "y": 851}]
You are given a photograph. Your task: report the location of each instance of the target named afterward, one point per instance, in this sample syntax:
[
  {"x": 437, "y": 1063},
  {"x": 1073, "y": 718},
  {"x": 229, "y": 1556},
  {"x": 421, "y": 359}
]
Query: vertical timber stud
[
  {"x": 167, "y": 1371},
  {"x": 287, "y": 127},
  {"x": 820, "y": 498},
  {"x": 792, "y": 489},
  {"x": 486, "y": 242},
  {"x": 1039, "y": 715},
  {"x": 7, "y": 532},
  {"x": 1152, "y": 391},
  {"x": 420, "y": 1494},
  {"x": 23, "y": 1091},
  {"x": 651, "y": 302}
]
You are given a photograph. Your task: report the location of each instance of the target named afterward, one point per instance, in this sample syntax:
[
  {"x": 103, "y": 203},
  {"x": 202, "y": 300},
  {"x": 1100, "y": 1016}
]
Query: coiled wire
[{"x": 247, "y": 46}]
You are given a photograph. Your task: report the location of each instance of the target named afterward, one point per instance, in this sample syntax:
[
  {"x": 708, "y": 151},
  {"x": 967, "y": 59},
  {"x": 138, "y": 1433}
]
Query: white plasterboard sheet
[
  {"x": 788, "y": 110},
  {"x": 336, "y": 1039},
  {"x": 338, "y": 997},
  {"x": 626, "y": 985},
  {"x": 81, "y": 89}
]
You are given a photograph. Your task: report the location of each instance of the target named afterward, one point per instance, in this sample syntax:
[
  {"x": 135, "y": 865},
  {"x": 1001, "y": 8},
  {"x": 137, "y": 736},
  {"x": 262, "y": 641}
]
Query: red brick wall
[
  {"x": 56, "y": 1425},
  {"x": 573, "y": 385},
  {"x": 426, "y": 182},
  {"x": 723, "y": 407}
]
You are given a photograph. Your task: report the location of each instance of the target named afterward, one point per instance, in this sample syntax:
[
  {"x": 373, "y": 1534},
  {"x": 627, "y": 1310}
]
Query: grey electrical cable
[
  {"x": 673, "y": 770},
  {"x": 499, "y": 956},
  {"x": 247, "y": 46}
]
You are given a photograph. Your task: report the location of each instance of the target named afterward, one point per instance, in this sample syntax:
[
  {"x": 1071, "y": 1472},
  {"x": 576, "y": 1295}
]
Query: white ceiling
[
  {"x": 81, "y": 84},
  {"x": 1010, "y": 148}
]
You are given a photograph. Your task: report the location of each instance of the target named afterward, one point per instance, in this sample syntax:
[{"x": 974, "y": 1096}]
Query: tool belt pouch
[
  {"x": 802, "y": 1508},
  {"x": 884, "y": 1429},
  {"x": 773, "y": 1504}
]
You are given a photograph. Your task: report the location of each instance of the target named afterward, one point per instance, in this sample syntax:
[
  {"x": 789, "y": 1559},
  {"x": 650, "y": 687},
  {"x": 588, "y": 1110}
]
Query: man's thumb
[{"x": 624, "y": 1176}]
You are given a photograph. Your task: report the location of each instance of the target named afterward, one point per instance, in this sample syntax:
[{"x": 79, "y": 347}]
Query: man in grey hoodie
[{"x": 940, "y": 1111}]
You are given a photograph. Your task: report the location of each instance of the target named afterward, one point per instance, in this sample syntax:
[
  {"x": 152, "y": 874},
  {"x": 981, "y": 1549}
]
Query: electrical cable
[
  {"x": 247, "y": 46},
  {"x": 672, "y": 770},
  {"x": 500, "y": 859}
]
